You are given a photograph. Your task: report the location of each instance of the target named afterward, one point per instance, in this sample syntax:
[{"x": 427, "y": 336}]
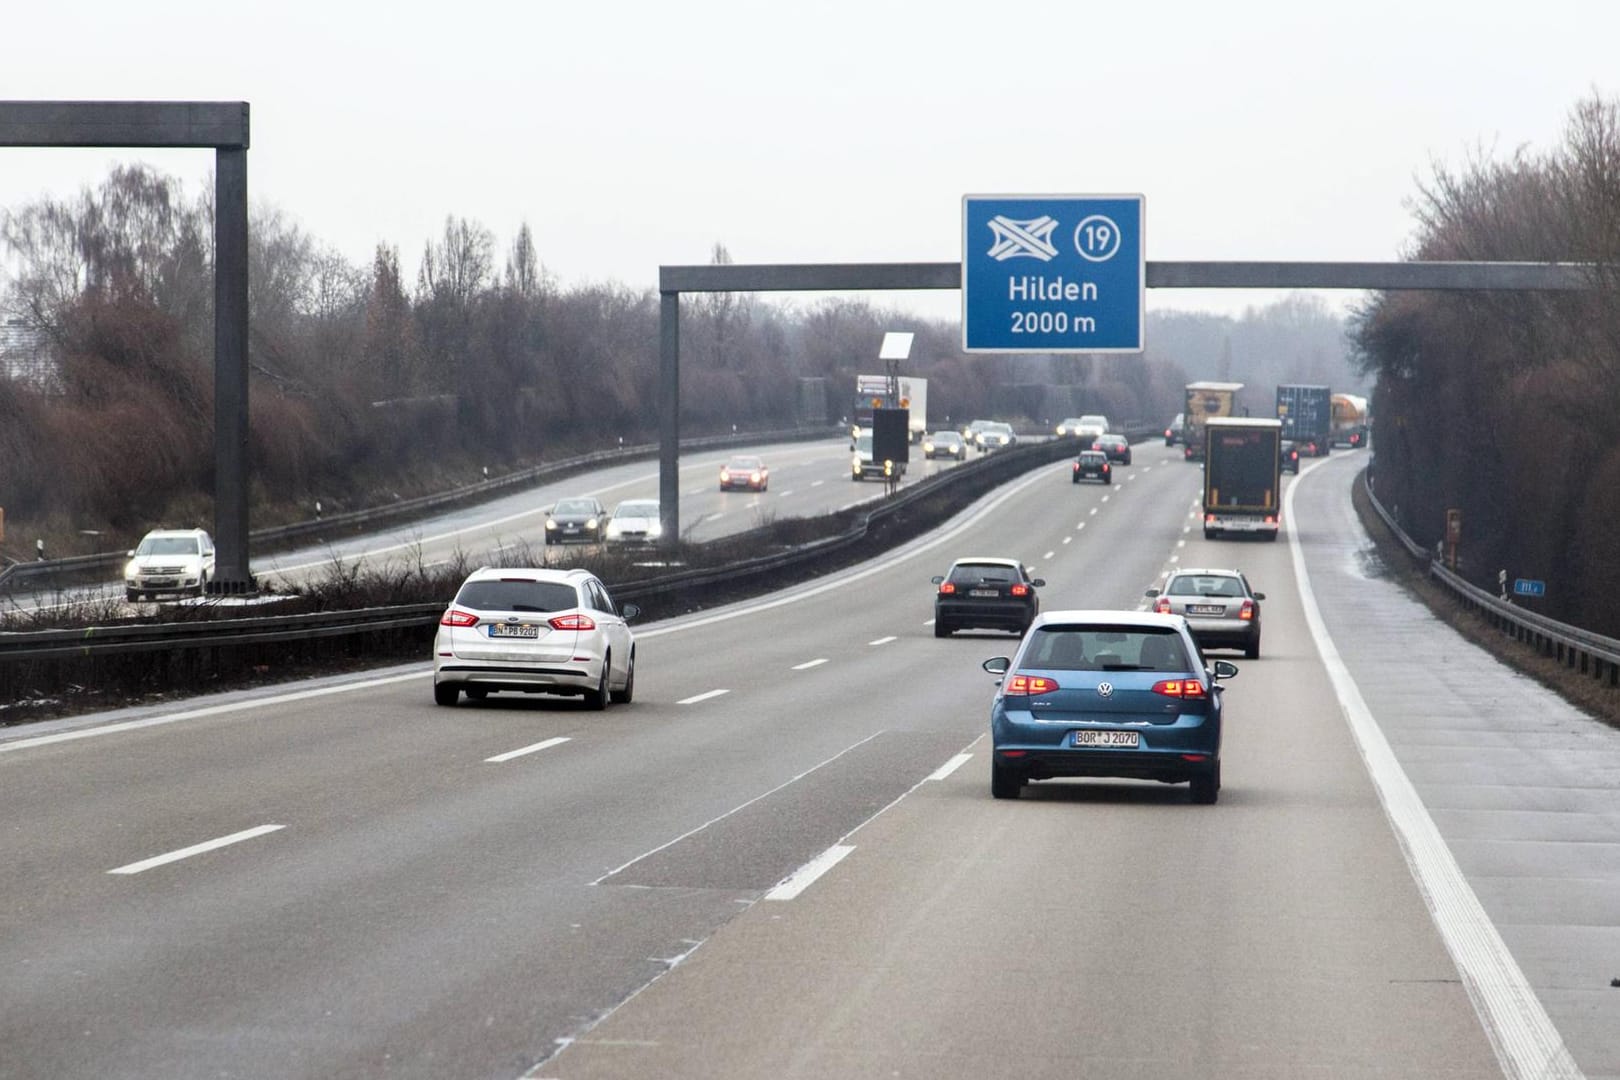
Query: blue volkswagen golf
[{"x": 1107, "y": 693}]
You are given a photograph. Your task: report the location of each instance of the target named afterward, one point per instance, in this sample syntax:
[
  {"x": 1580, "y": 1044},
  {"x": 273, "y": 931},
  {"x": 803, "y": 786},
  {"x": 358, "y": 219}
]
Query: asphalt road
[{"x": 520, "y": 887}]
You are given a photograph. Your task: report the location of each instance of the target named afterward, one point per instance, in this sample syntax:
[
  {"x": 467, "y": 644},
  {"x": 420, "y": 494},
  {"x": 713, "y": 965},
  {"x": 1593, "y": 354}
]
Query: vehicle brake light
[
  {"x": 573, "y": 622},
  {"x": 1077, "y": 466},
  {"x": 1271, "y": 519},
  {"x": 1247, "y": 611},
  {"x": 1179, "y": 688},
  {"x": 1209, "y": 519},
  {"x": 458, "y": 618},
  {"x": 1030, "y": 684},
  {"x": 1105, "y": 466},
  {"x": 947, "y": 589},
  {"x": 1020, "y": 590},
  {"x": 1161, "y": 606}
]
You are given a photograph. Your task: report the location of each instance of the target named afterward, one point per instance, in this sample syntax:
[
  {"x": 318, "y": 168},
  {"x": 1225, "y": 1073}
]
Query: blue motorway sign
[
  {"x": 1052, "y": 273},
  {"x": 1529, "y": 587}
]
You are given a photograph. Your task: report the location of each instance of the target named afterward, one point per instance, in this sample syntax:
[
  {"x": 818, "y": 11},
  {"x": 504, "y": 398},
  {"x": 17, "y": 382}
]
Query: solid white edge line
[
  {"x": 741, "y": 806},
  {"x": 806, "y": 875},
  {"x": 808, "y": 664},
  {"x": 195, "y": 849},
  {"x": 949, "y": 767},
  {"x": 702, "y": 697},
  {"x": 1526, "y": 1042},
  {"x": 510, "y": 754}
]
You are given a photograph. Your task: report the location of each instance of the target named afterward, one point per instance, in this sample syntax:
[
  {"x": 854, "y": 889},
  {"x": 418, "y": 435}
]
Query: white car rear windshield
[{"x": 517, "y": 596}]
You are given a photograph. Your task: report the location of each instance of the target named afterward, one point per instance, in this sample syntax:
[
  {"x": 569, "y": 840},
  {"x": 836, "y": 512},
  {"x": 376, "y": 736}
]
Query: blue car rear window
[{"x": 1072, "y": 648}]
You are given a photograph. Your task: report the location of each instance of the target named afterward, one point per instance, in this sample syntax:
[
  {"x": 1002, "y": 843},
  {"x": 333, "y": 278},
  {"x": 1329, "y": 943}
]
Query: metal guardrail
[
  {"x": 1578, "y": 649},
  {"x": 214, "y": 634},
  {"x": 408, "y": 508}
]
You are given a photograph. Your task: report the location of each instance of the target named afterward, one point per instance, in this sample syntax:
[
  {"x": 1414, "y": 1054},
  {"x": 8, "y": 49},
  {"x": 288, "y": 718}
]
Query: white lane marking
[
  {"x": 1082, "y": 525},
  {"x": 949, "y": 767},
  {"x": 702, "y": 697},
  {"x": 1526, "y": 1042},
  {"x": 808, "y": 664},
  {"x": 1181, "y": 543},
  {"x": 1049, "y": 554},
  {"x": 1185, "y": 529},
  {"x": 882, "y": 640},
  {"x": 742, "y": 806},
  {"x": 784, "y": 494},
  {"x": 802, "y": 878},
  {"x": 817, "y": 483},
  {"x": 1105, "y": 498},
  {"x": 195, "y": 849},
  {"x": 1067, "y": 540},
  {"x": 1175, "y": 558},
  {"x": 510, "y": 754},
  {"x": 210, "y": 710},
  {"x": 1093, "y": 510}
]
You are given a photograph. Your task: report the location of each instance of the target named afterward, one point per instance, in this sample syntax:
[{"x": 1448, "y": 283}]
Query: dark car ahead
[
  {"x": 1107, "y": 693},
  {"x": 944, "y": 444},
  {"x": 1290, "y": 457},
  {"x": 576, "y": 521},
  {"x": 985, "y": 593},
  {"x": 1092, "y": 465},
  {"x": 1221, "y": 609},
  {"x": 1117, "y": 447}
]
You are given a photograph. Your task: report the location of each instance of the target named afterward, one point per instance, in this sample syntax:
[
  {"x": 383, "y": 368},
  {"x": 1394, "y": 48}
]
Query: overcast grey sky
[{"x": 633, "y": 134}]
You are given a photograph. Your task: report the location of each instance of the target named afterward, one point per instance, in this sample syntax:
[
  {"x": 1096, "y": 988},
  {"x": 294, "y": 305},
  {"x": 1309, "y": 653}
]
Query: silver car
[
  {"x": 535, "y": 631},
  {"x": 1221, "y": 609}
]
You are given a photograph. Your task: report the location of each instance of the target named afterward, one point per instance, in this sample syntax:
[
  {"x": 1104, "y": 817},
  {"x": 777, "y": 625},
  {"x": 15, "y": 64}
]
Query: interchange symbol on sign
[{"x": 1030, "y": 239}]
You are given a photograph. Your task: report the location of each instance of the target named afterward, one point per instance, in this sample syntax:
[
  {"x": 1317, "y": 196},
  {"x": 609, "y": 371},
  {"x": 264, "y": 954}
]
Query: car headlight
[
  {"x": 590, "y": 523},
  {"x": 550, "y": 524},
  {"x": 655, "y": 529},
  {"x": 131, "y": 570},
  {"x": 613, "y": 528}
]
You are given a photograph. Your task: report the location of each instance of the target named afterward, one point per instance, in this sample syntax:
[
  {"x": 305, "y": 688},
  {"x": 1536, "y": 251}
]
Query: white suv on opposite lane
[{"x": 176, "y": 561}]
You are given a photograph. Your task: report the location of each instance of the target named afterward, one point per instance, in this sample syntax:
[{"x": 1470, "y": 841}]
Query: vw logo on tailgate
[{"x": 1106, "y": 689}]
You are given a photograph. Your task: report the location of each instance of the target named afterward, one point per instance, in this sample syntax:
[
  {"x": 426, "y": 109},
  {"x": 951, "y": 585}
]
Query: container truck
[
  {"x": 1306, "y": 413},
  {"x": 872, "y": 392},
  {"x": 1205, "y": 400},
  {"x": 1242, "y": 476},
  {"x": 1349, "y": 420}
]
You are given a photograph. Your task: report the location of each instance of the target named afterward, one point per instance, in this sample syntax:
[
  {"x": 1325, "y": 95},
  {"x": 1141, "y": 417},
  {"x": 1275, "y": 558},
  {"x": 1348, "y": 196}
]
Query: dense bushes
[{"x": 1507, "y": 405}]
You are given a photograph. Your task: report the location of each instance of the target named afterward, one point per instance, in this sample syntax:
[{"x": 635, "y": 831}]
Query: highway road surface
[{"x": 783, "y": 859}]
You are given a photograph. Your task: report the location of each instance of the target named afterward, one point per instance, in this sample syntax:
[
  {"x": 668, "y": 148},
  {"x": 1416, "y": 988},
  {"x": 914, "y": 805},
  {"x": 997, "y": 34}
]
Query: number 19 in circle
[{"x": 1096, "y": 238}]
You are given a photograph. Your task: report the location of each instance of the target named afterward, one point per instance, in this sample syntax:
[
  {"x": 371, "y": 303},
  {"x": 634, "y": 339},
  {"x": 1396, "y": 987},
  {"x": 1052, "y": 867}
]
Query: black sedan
[
  {"x": 1117, "y": 447},
  {"x": 576, "y": 521},
  {"x": 1092, "y": 465},
  {"x": 988, "y": 593}
]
